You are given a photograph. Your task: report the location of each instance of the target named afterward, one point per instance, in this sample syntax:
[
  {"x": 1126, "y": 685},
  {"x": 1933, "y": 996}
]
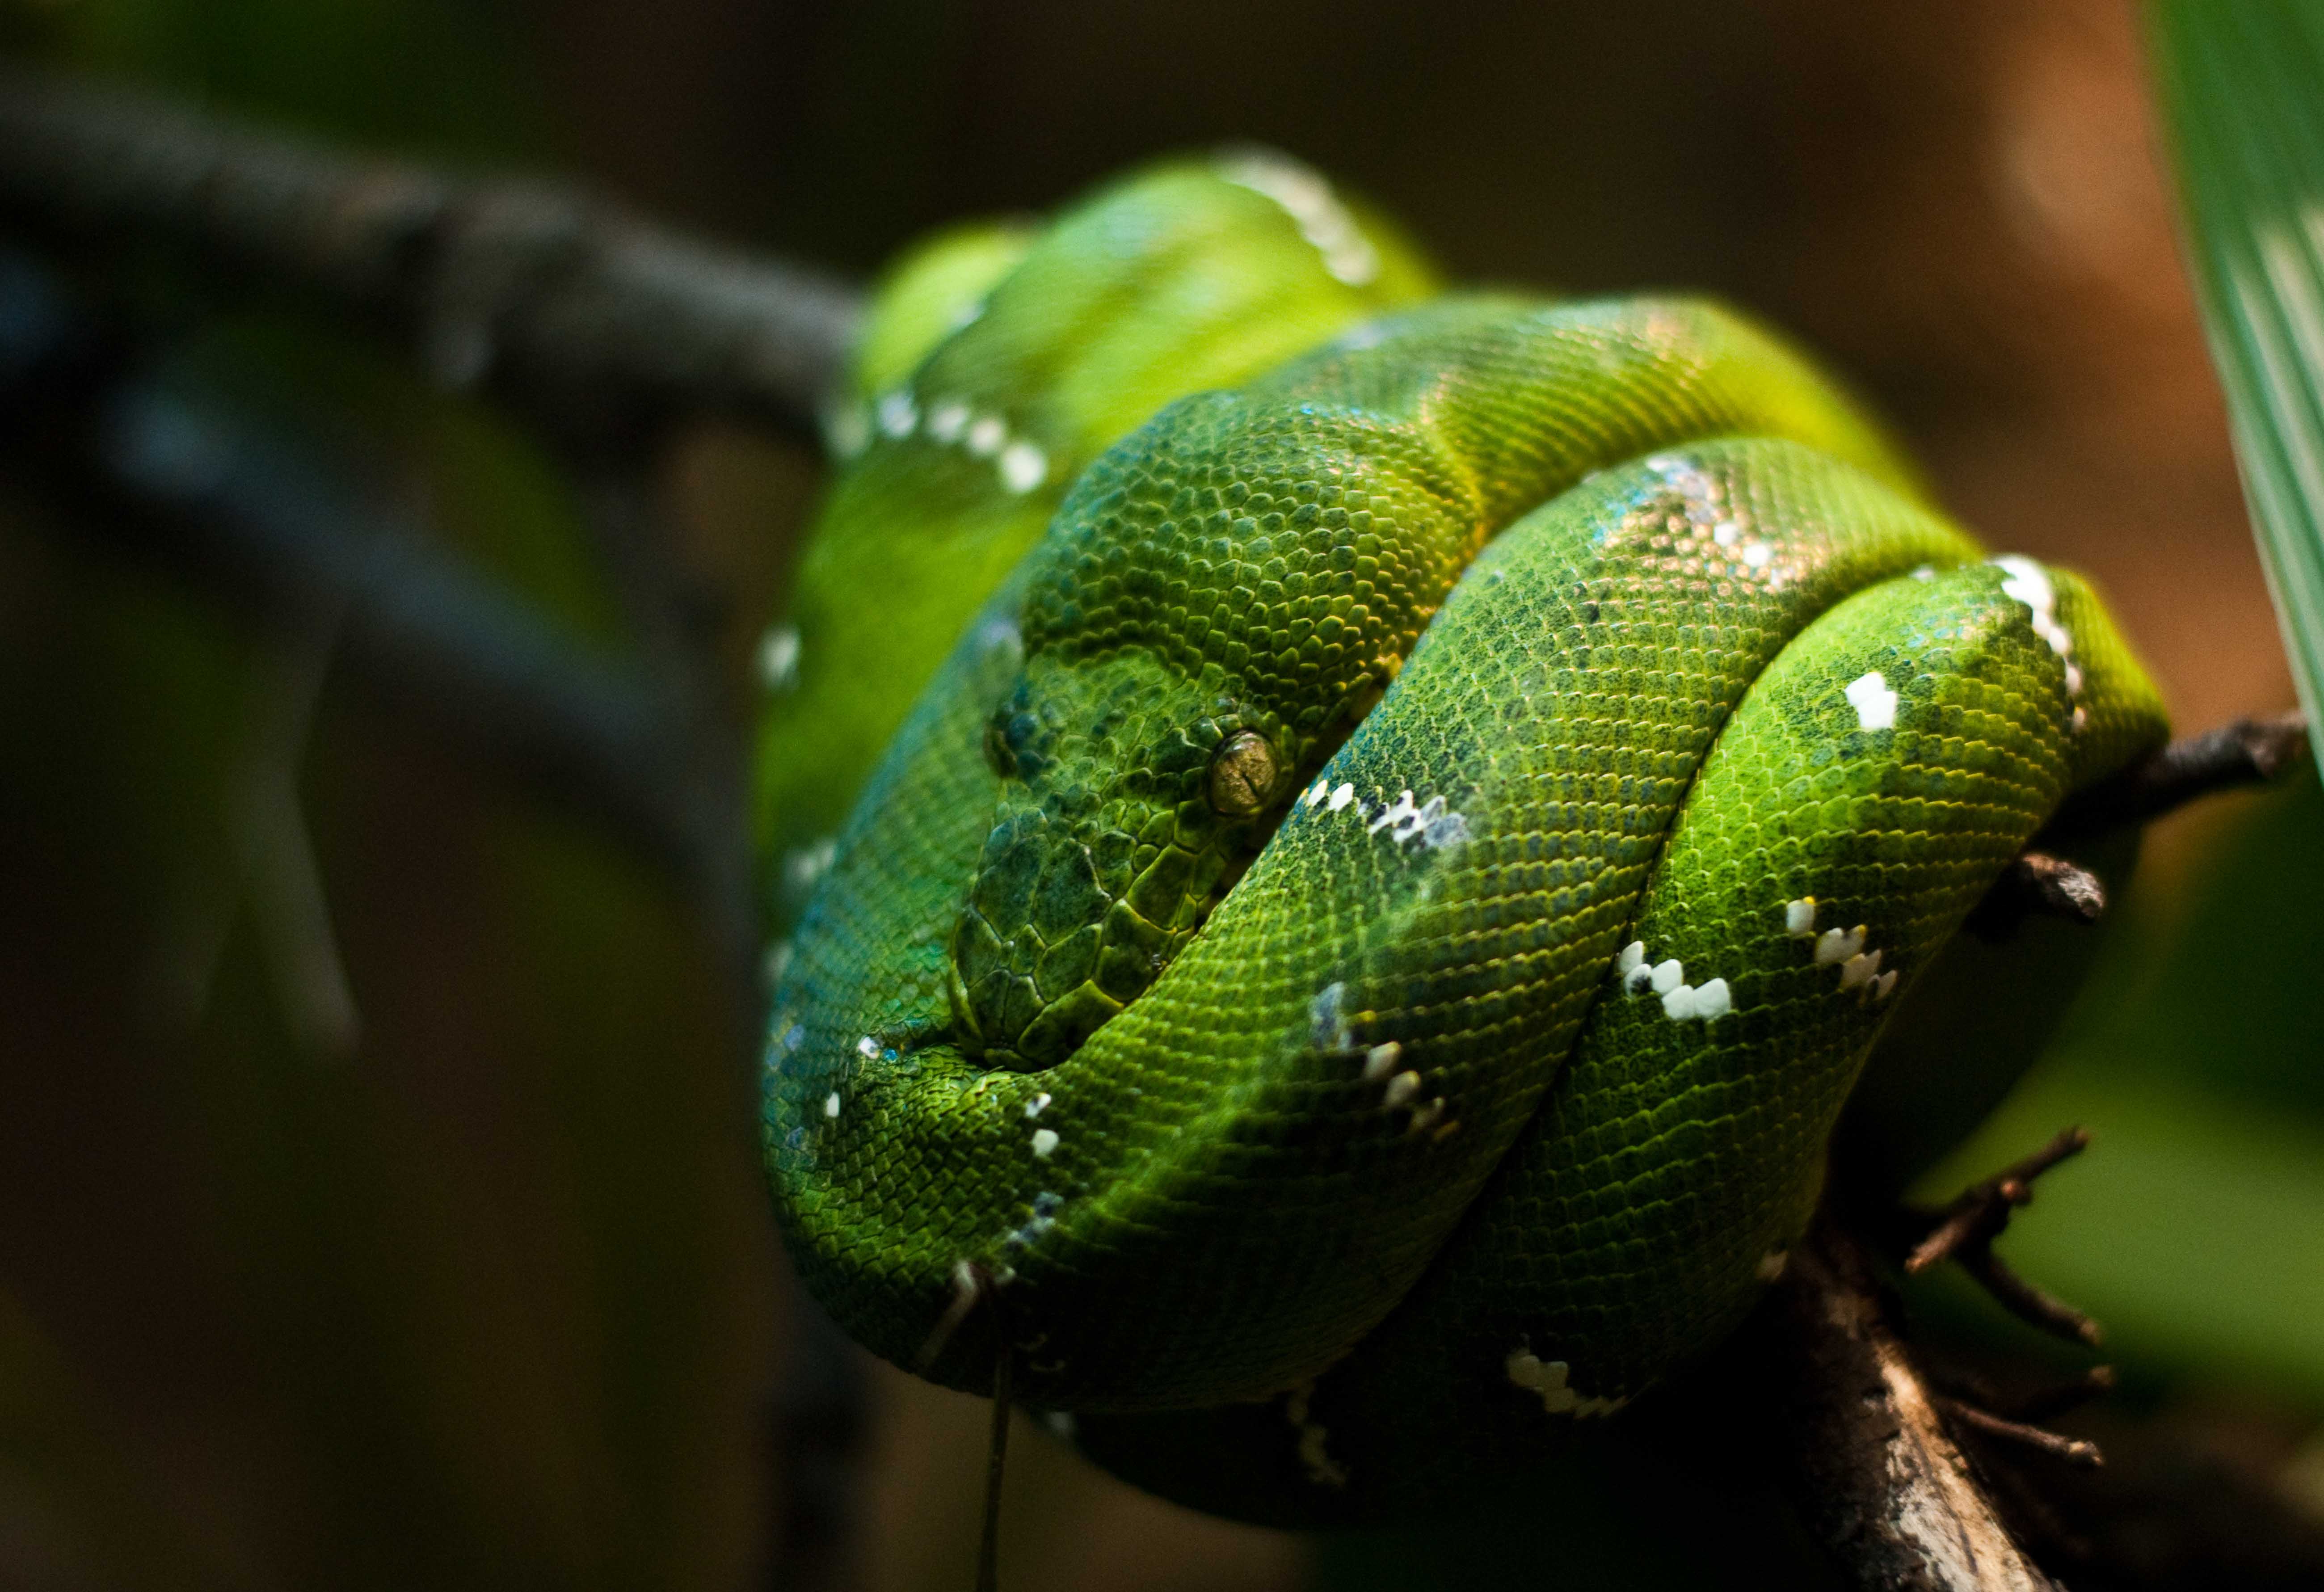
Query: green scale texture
[
  {"x": 1675, "y": 1160},
  {"x": 1319, "y": 1194},
  {"x": 1183, "y": 277}
]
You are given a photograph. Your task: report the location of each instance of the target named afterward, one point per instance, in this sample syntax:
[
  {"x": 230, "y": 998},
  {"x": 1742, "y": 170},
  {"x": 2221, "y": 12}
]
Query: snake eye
[
  {"x": 997, "y": 754},
  {"x": 1243, "y": 772}
]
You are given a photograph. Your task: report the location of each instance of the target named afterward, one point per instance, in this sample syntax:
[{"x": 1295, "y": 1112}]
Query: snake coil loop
[{"x": 1365, "y": 935}]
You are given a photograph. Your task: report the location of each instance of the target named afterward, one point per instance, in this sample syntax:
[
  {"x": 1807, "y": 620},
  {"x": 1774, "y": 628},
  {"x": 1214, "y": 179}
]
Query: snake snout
[
  {"x": 1048, "y": 946},
  {"x": 1129, "y": 801}
]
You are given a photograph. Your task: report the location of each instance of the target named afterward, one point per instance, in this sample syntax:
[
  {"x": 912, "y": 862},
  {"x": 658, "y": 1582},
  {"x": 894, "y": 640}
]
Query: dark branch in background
[
  {"x": 559, "y": 302},
  {"x": 249, "y": 517},
  {"x": 1964, "y": 1232},
  {"x": 816, "y": 1437},
  {"x": 605, "y": 330},
  {"x": 2246, "y": 752}
]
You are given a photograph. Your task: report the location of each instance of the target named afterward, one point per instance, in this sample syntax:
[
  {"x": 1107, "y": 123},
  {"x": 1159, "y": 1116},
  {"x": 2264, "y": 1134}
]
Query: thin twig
[
  {"x": 2036, "y": 884},
  {"x": 2247, "y": 751},
  {"x": 556, "y": 300},
  {"x": 2075, "y": 1452},
  {"x": 2048, "y": 1403},
  {"x": 1964, "y": 1232},
  {"x": 1978, "y": 1215}
]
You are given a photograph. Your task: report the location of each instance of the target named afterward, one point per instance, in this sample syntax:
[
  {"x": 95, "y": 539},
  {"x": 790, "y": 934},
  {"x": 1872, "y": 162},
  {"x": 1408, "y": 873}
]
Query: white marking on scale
[
  {"x": 1045, "y": 1140},
  {"x": 965, "y": 1291},
  {"x": 996, "y": 636},
  {"x": 1633, "y": 958},
  {"x": 2029, "y": 583},
  {"x": 2082, "y": 719},
  {"x": 1758, "y": 555},
  {"x": 1395, "y": 812},
  {"x": 1314, "y": 1451},
  {"x": 1330, "y": 1024},
  {"x": 1322, "y": 788},
  {"x": 1343, "y": 796},
  {"x": 1875, "y": 703},
  {"x": 1835, "y": 946},
  {"x": 1381, "y": 1059},
  {"x": 1667, "y": 976},
  {"x": 1709, "y": 1002},
  {"x": 1799, "y": 917},
  {"x": 1023, "y": 466},
  {"x": 1402, "y": 1091},
  {"x": 1424, "y": 1118},
  {"x": 778, "y": 656},
  {"x": 1925, "y": 572},
  {"x": 948, "y": 420},
  {"x": 1772, "y": 1263},
  {"x": 1308, "y": 200},
  {"x": 867, "y": 1047},
  {"x": 1724, "y": 533},
  {"x": 849, "y": 431},
  {"x": 1859, "y": 968},
  {"x": 1547, "y": 1378},
  {"x": 1036, "y": 1105},
  {"x": 986, "y": 435},
  {"x": 831, "y": 1105},
  {"x": 1885, "y": 985},
  {"x": 898, "y": 414},
  {"x": 1439, "y": 827},
  {"x": 804, "y": 865}
]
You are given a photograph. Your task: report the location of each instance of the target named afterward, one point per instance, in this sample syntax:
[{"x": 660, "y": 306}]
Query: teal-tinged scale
[{"x": 1384, "y": 1117}]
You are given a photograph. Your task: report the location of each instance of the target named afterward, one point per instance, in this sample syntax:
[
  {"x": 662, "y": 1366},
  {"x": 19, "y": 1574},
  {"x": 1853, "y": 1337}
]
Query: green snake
[{"x": 1402, "y": 816}]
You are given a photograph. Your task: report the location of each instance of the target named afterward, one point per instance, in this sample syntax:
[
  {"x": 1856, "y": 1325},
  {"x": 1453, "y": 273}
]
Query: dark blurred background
[{"x": 433, "y": 1253}]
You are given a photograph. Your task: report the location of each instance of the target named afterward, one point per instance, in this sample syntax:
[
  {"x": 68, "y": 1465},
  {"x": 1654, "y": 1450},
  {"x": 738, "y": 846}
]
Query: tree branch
[
  {"x": 250, "y": 517},
  {"x": 559, "y": 302},
  {"x": 2242, "y": 752},
  {"x": 1878, "y": 1477}
]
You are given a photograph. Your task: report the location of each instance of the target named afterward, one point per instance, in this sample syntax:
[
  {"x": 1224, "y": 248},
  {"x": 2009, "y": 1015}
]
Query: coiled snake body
[{"x": 1356, "y": 954}]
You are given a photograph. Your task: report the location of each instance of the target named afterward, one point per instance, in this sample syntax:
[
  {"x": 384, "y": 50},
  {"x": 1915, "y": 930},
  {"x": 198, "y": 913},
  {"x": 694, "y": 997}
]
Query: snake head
[{"x": 1131, "y": 800}]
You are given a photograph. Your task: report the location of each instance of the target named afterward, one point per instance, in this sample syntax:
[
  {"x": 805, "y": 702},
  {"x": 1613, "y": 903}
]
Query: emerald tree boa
[{"x": 1342, "y": 846}]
